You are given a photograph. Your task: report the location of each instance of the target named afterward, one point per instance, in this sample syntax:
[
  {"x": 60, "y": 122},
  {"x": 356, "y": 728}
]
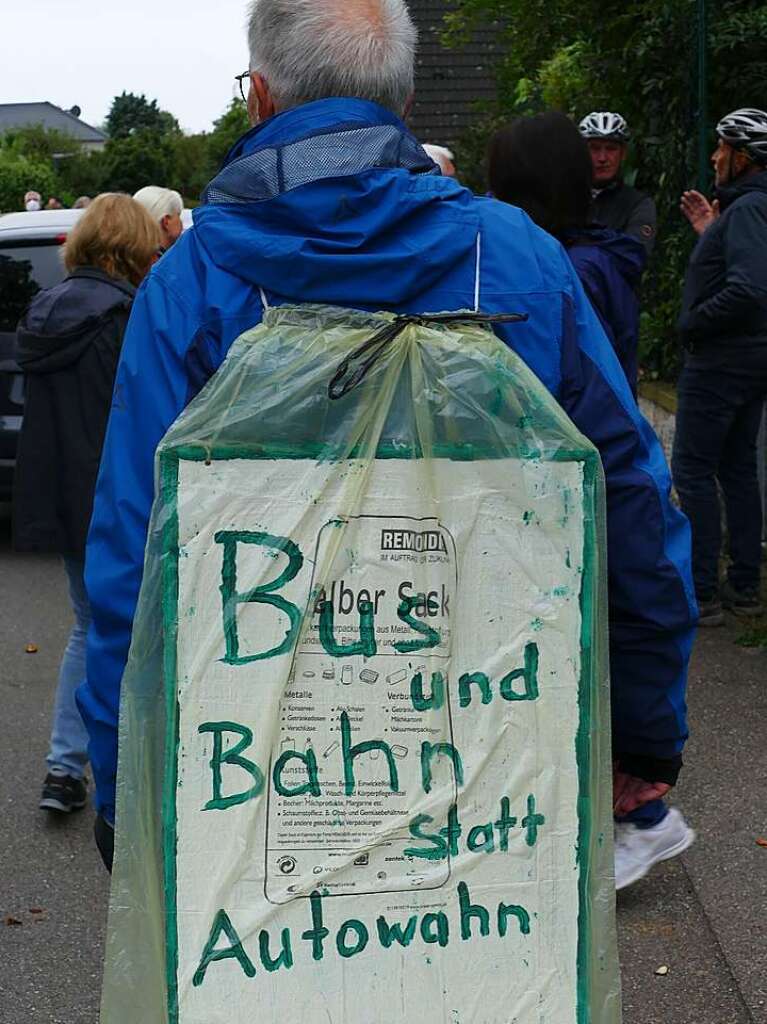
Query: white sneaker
[{"x": 638, "y": 849}]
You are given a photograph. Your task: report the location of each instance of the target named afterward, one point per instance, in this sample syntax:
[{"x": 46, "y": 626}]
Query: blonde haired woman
[{"x": 68, "y": 344}]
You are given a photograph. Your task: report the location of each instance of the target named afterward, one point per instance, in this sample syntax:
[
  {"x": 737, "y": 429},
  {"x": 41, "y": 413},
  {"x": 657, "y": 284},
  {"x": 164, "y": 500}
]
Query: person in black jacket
[
  {"x": 615, "y": 204},
  {"x": 68, "y": 344},
  {"x": 723, "y": 386}
]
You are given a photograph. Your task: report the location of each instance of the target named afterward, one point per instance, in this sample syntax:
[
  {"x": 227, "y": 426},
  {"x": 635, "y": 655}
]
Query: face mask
[{"x": 32, "y": 205}]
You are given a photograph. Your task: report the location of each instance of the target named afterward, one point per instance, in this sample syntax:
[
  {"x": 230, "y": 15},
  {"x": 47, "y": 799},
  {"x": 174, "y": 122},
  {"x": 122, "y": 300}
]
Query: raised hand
[{"x": 698, "y": 210}]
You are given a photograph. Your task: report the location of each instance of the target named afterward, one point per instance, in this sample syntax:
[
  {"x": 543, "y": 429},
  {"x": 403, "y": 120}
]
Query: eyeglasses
[{"x": 240, "y": 80}]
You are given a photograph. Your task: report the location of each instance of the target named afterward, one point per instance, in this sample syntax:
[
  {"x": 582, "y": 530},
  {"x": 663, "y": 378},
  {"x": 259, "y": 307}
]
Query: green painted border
[
  {"x": 169, "y": 492},
  {"x": 386, "y": 450},
  {"x": 169, "y": 464},
  {"x": 587, "y": 691}
]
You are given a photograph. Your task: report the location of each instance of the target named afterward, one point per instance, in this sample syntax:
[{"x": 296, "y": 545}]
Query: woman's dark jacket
[
  {"x": 68, "y": 345},
  {"x": 609, "y": 265}
]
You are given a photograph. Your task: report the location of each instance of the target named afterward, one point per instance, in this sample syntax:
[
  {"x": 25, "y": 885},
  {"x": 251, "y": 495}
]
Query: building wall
[{"x": 449, "y": 82}]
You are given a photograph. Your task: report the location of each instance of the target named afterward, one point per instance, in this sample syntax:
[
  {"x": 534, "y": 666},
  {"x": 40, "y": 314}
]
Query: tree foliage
[
  {"x": 20, "y": 174},
  {"x": 135, "y": 115},
  {"x": 38, "y": 143},
  {"x": 639, "y": 58},
  {"x": 191, "y": 164},
  {"x": 145, "y": 147},
  {"x": 138, "y": 160},
  {"x": 227, "y": 129}
]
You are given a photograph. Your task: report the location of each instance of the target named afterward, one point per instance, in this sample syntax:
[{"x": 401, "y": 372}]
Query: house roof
[
  {"x": 449, "y": 82},
  {"x": 18, "y": 115}
]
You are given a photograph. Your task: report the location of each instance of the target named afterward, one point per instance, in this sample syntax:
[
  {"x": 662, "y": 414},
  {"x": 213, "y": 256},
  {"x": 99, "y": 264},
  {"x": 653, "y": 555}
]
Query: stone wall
[
  {"x": 662, "y": 421},
  {"x": 658, "y": 404}
]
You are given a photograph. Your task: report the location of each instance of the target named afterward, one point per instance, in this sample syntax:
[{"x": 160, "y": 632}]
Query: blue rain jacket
[
  {"x": 336, "y": 202},
  {"x": 609, "y": 265}
]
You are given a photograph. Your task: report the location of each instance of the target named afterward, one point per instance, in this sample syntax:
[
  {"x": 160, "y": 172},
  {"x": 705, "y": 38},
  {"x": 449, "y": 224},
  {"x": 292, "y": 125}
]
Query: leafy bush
[
  {"x": 639, "y": 59},
  {"x": 133, "y": 115},
  {"x": 226, "y": 131},
  {"x": 145, "y": 147},
  {"x": 19, "y": 174}
]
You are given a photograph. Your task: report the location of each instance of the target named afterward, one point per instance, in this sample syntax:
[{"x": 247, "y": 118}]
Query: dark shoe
[
  {"x": 105, "y": 840},
  {"x": 741, "y": 602},
  {"x": 63, "y": 793},
  {"x": 710, "y": 611}
]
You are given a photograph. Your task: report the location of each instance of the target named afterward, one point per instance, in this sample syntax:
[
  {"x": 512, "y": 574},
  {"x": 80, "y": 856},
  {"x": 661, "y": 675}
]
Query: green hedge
[{"x": 639, "y": 58}]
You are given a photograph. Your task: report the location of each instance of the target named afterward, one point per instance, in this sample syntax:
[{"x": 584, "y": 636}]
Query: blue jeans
[
  {"x": 69, "y": 738},
  {"x": 721, "y": 396},
  {"x": 647, "y": 816}
]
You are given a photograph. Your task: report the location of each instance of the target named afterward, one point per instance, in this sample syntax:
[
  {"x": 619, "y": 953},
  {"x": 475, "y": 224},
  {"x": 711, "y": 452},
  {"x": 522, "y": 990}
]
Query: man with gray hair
[
  {"x": 165, "y": 206},
  {"x": 330, "y": 199}
]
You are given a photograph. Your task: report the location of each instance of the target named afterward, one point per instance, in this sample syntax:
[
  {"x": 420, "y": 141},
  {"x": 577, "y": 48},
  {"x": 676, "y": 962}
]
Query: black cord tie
[{"x": 341, "y": 384}]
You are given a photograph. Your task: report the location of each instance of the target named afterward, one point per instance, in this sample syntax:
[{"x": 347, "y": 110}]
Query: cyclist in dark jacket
[
  {"x": 542, "y": 165},
  {"x": 723, "y": 387},
  {"x": 615, "y": 204},
  {"x": 68, "y": 344}
]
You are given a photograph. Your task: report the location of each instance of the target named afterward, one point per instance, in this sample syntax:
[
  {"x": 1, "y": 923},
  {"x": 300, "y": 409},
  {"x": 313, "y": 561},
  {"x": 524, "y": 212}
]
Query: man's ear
[
  {"x": 408, "y": 106},
  {"x": 740, "y": 162},
  {"x": 260, "y": 100},
  {"x": 164, "y": 221}
]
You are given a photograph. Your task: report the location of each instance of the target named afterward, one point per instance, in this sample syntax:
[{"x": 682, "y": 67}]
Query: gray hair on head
[
  {"x": 159, "y": 202},
  {"x": 313, "y": 49}
]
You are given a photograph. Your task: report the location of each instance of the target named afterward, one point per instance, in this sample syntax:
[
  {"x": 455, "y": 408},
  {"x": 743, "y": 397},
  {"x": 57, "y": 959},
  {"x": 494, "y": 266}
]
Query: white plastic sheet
[{"x": 367, "y": 698}]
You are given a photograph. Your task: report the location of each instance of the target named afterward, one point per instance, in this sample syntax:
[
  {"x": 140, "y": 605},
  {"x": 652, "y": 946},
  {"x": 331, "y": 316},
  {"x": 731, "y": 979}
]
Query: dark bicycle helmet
[
  {"x": 746, "y": 130},
  {"x": 602, "y": 124}
]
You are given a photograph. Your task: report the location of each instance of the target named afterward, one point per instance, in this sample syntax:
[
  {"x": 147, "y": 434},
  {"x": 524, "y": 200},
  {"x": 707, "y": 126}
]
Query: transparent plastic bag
[{"x": 364, "y": 765}]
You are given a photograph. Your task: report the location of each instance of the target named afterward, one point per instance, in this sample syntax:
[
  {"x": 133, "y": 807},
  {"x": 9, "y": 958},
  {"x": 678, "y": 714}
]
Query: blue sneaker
[{"x": 63, "y": 793}]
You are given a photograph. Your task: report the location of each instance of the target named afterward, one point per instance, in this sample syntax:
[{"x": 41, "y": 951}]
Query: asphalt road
[{"x": 703, "y": 915}]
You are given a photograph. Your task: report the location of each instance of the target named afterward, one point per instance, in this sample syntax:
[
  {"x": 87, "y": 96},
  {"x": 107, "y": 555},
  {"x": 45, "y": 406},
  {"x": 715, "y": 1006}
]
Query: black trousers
[
  {"x": 105, "y": 841},
  {"x": 721, "y": 398}
]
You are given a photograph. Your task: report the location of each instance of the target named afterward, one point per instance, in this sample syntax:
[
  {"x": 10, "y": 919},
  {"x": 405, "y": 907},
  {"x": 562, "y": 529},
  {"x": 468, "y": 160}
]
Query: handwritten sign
[{"x": 375, "y": 790}]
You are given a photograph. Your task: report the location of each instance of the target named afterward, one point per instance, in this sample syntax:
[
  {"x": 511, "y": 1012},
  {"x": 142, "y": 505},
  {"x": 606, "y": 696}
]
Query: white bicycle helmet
[
  {"x": 602, "y": 124},
  {"x": 746, "y": 129}
]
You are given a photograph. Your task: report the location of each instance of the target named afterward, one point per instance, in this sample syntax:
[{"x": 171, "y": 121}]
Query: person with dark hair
[{"x": 542, "y": 165}]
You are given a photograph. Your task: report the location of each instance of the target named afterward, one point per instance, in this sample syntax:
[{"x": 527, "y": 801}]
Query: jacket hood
[
  {"x": 628, "y": 254},
  {"x": 328, "y": 194},
  {"x": 727, "y": 194},
  {"x": 59, "y": 324}
]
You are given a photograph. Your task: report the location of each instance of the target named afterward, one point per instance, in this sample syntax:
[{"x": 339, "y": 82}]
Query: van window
[{"x": 24, "y": 270}]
